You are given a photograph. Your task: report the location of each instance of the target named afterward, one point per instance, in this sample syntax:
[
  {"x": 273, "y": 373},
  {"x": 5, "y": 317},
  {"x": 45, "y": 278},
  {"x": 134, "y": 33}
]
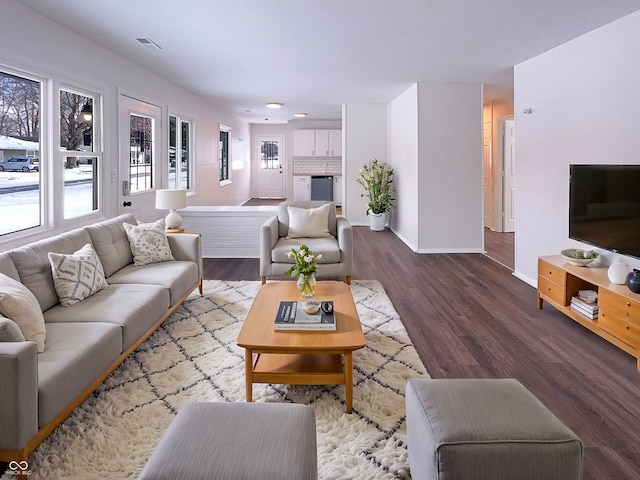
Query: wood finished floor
[{"x": 469, "y": 317}]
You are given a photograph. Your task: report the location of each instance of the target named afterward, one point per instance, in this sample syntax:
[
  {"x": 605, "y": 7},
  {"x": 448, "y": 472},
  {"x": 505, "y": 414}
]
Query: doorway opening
[{"x": 500, "y": 190}]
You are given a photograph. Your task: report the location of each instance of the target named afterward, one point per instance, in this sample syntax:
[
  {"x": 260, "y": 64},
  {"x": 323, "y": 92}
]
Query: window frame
[
  {"x": 51, "y": 170},
  {"x": 97, "y": 149},
  {"x": 221, "y": 150},
  {"x": 44, "y": 185},
  {"x": 180, "y": 119}
]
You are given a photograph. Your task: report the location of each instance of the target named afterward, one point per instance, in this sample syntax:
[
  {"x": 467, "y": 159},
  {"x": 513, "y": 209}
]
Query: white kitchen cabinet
[
  {"x": 317, "y": 143},
  {"x": 304, "y": 143},
  {"x": 301, "y": 187},
  {"x": 337, "y": 189},
  {"x": 335, "y": 143}
]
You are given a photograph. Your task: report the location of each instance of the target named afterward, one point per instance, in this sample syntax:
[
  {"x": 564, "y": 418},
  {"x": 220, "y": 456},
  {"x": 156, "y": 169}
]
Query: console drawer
[
  {"x": 626, "y": 331},
  {"x": 551, "y": 290},
  {"x": 625, "y": 308},
  {"x": 552, "y": 273}
]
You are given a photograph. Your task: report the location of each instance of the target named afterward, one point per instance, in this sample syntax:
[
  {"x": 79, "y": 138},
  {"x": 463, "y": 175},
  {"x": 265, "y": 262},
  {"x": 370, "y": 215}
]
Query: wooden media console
[{"x": 619, "y": 308}]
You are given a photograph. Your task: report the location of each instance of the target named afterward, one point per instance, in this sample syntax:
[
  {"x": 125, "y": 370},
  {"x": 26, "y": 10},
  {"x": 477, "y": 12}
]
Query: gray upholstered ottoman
[
  {"x": 229, "y": 441},
  {"x": 486, "y": 430}
]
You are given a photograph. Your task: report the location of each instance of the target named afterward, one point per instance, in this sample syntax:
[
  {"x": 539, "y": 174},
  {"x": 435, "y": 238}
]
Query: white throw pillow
[
  {"x": 76, "y": 276},
  {"x": 309, "y": 222},
  {"x": 149, "y": 243},
  {"x": 17, "y": 303}
]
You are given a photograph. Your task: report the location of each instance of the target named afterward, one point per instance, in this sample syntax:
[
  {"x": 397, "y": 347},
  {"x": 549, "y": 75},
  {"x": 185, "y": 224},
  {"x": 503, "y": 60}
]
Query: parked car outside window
[{"x": 20, "y": 164}]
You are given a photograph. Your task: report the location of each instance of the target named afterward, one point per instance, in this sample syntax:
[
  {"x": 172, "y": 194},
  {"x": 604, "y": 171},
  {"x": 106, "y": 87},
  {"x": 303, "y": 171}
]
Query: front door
[
  {"x": 140, "y": 157},
  {"x": 270, "y": 154}
]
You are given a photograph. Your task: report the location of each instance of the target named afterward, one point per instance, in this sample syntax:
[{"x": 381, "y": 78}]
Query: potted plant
[{"x": 377, "y": 180}]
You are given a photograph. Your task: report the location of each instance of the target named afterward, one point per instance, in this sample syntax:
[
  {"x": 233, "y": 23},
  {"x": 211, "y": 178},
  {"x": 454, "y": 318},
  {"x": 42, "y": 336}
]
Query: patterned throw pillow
[
  {"x": 76, "y": 276},
  {"x": 149, "y": 243},
  {"x": 18, "y": 304}
]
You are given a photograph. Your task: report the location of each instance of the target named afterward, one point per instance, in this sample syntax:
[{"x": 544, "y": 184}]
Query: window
[
  {"x": 76, "y": 149},
  {"x": 21, "y": 178},
  {"x": 69, "y": 164},
  {"x": 269, "y": 155},
  {"x": 180, "y": 164},
  {"x": 223, "y": 152},
  {"x": 143, "y": 155}
]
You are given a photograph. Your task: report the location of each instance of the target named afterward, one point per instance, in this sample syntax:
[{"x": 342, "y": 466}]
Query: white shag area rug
[{"x": 194, "y": 357}]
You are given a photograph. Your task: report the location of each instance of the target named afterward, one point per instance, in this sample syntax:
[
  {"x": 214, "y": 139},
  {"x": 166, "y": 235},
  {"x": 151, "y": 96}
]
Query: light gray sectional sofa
[{"x": 85, "y": 341}]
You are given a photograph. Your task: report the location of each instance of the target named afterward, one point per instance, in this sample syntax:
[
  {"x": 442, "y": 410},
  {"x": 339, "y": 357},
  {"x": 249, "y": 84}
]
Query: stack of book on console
[
  {"x": 291, "y": 316},
  {"x": 589, "y": 310}
]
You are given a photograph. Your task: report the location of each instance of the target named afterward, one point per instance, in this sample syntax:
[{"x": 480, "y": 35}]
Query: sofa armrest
[
  {"x": 187, "y": 247},
  {"x": 345, "y": 238},
  {"x": 268, "y": 238},
  {"x": 18, "y": 394}
]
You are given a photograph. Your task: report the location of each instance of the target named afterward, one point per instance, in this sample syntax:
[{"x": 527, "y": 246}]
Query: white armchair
[{"x": 280, "y": 234}]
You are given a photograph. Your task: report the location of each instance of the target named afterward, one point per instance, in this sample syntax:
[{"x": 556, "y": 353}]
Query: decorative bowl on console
[{"x": 577, "y": 256}]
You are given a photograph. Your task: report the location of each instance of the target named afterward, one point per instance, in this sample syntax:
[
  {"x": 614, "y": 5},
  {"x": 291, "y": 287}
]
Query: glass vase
[{"x": 307, "y": 285}]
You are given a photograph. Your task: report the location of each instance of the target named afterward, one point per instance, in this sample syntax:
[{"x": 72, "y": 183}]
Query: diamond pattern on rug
[{"x": 194, "y": 357}]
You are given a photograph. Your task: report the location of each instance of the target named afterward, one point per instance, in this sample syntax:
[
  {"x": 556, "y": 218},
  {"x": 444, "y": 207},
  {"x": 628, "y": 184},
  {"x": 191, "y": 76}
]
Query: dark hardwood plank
[
  {"x": 468, "y": 316},
  {"x": 500, "y": 247}
]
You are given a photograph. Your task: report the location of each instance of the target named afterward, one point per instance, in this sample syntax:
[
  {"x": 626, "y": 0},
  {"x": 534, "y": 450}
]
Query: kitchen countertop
[{"x": 328, "y": 174}]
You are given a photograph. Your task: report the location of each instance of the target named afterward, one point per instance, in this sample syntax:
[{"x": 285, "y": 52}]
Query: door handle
[{"x": 126, "y": 204}]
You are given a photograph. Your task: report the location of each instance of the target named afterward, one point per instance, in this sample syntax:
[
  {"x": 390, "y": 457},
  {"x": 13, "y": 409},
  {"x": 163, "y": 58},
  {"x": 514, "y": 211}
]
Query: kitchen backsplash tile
[{"x": 317, "y": 165}]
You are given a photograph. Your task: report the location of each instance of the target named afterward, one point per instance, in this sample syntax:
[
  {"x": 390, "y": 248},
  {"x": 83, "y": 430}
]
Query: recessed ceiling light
[
  {"x": 274, "y": 105},
  {"x": 300, "y": 115}
]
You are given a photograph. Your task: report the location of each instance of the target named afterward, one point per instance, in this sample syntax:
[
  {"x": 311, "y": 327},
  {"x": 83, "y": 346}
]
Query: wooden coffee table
[{"x": 301, "y": 357}]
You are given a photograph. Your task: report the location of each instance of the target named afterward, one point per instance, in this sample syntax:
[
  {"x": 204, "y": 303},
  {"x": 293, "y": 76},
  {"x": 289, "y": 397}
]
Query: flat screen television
[{"x": 604, "y": 207}]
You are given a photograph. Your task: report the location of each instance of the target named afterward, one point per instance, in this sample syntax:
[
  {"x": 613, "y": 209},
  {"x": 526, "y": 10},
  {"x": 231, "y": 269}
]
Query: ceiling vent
[{"x": 148, "y": 43}]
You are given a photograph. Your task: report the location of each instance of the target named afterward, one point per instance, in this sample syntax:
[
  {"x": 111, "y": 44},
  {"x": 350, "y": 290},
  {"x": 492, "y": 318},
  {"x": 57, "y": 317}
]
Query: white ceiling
[{"x": 315, "y": 55}]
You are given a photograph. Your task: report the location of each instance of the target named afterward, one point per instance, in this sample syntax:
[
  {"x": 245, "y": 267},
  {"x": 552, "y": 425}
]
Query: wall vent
[{"x": 148, "y": 43}]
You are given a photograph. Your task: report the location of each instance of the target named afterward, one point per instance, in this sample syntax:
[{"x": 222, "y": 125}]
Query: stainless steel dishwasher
[{"x": 322, "y": 188}]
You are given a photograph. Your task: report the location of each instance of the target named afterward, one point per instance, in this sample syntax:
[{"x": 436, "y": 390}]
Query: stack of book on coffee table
[
  {"x": 291, "y": 316},
  {"x": 589, "y": 310}
]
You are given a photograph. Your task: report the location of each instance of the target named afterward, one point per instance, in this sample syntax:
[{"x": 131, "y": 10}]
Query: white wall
[
  {"x": 364, "y": 138},
  {"x": 450, "y": 211},
  {"x": 403, "y": 157},
  {"x": 585, "y": 99},
  {"x": 33, "y": 43}
]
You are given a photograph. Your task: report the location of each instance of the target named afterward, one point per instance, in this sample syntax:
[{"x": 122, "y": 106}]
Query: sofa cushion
[
  {"x": 135, "y": 308},
  {"x": 7, "y": 267},
  {"x": 327, "y": 247},
  {"x": 10, "y": 331},
  {"x": 111, "y": 243},
  {"x": 76, "y": 354},
  {"x": 149, "y": 243},
  {"x": 76, "y": 276},
  {"x": 18, "y": 304},
  {"x": 32, "y": 263},
  {"x": 308, "y": 222},
  {"x": 177, "y": 276}
]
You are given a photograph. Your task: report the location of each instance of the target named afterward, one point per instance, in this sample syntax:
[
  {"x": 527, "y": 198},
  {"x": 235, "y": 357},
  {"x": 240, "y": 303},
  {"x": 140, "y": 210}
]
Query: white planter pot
[{"x": 377, "y": 221}]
